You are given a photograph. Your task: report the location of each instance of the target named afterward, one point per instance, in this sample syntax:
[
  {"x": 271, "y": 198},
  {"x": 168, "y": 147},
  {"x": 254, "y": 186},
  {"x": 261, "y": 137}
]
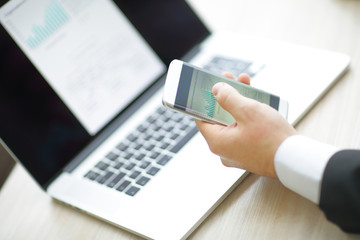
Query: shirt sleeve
[{"x": 300, "y": 163}]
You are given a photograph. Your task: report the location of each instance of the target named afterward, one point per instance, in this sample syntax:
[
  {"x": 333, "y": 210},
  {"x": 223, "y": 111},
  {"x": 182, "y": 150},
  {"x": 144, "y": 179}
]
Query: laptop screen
[{"x": 69, "y": 67}]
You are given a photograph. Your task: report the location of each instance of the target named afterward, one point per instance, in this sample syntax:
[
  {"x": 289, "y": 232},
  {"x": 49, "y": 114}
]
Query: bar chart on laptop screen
[
  {"x": 54, "y": 17},
  {"x": 35, "y": 21}
]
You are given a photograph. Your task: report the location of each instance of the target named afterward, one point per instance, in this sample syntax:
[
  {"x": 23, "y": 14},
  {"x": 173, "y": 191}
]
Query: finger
[
  {"x": 231, "y": 100},
  {"x": 228, "y": 75},
  {"x": 244, "y": 78}
]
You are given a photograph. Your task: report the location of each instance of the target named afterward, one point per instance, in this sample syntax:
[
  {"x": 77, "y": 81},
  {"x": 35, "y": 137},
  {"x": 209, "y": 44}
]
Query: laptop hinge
[{"x": 116, "y": 123}]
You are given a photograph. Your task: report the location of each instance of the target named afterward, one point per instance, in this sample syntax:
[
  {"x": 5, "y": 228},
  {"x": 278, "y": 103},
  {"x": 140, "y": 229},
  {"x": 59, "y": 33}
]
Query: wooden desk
[{"x": 259, "y": 208}]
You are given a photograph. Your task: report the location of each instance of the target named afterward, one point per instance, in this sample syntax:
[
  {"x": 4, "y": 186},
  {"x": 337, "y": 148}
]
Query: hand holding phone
[{"x": 188, "y": 89}]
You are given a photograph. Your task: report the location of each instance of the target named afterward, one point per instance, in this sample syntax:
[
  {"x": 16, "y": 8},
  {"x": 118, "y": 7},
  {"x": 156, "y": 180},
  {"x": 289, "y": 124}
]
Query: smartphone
[{"x": 188, "y": 89}]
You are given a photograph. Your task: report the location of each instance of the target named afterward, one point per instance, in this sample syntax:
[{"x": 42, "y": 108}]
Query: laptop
[{"x": 80, "y": 105}]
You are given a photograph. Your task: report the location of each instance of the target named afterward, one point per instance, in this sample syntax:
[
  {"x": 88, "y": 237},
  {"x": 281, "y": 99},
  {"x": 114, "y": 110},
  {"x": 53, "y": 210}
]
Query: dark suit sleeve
[{"x": 340, "y": 190}]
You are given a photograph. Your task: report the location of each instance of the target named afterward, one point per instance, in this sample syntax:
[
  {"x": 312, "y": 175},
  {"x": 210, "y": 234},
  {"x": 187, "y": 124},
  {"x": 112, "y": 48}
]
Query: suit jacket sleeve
[{"x": 340, "y": 190}]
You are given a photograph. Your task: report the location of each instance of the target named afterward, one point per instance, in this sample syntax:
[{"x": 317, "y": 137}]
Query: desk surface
[{"x": 259, "y": 207}]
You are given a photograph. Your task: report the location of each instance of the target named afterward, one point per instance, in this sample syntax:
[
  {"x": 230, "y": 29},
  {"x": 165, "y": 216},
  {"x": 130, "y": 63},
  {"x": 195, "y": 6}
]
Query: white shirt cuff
[{"x": 300, "y": 163}]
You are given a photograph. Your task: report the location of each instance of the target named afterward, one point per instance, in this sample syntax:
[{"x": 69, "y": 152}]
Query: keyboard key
[
  {"x": 164, "y": 160},
  {"x": 118, "y": 165},
  {"x": 165, "y": 145},
  {"x": 146, "y": 137},
  {"x": 154, "y": 155},
  {"x": 138, "y": 146},
  {"x": 130, "y": 166},
  {"x": 102, "y": 166},
  {"x": 92, "y": 175},
  {"x": 184, "y": 140},
  {"x": 116, "y": 179},
  {"x": 178, "y": 117},
  {"x": 128, "y": 156},
  {"x": 159, "y": 138},
  {"x": 142, "y": 181},
  {"x": 151, "y": 119},
  {"x": 169, "y": 128},
  {"x": 144, "y": 165},
  {"x": 141, "y": 128},
  {"x": 161, "y": 110},
  {"x": 174, "y": 136},
  {"x": 112, "y": 156},
  {"x": 165, "y": 119},
  {"x": 122, "y": 147},
  {"x": 135, "y": 174},
  {"x": 155, "y": 128},
  {"x": 132, "y": 191},
  {"x": 140, "y": 156},
  {"x": 153, "y": 171},
  {"x": 150, "y": 147},
  {"x": 132, "y": 138},
  {"x": 184, "y": 127},
  {"x": 123, "y": 186},
  {"x": 105, "y": 177}
]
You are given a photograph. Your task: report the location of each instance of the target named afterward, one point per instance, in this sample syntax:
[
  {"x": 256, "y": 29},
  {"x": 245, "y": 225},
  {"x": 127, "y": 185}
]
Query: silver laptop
[{"x": 80, "y": 105}]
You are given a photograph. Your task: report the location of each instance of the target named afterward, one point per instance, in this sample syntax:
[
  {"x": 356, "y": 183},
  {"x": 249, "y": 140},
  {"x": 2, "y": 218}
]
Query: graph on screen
[
  {"x": 210, "y": 103},
  {"x": 54, "y": 17}
]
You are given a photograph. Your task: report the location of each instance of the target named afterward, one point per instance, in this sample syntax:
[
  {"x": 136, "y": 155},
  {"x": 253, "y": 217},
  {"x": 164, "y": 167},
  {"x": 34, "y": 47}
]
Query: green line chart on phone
[{"x": 210, "y": 102}]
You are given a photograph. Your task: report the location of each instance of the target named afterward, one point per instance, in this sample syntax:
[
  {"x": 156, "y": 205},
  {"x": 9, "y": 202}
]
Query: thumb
[{"x": 230, "y": 99}]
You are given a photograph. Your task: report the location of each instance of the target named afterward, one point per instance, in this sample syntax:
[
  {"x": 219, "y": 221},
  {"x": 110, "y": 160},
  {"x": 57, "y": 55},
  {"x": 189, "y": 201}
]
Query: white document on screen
[{"x": 88, "y": 52}]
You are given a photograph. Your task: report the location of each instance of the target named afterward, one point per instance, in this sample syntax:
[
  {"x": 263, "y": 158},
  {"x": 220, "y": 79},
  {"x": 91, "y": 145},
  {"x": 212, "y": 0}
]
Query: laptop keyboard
[
  {"x": 220, "y": 64},
  {"x": 142, "y": 154},
  {"x": 138, "y": 158}
]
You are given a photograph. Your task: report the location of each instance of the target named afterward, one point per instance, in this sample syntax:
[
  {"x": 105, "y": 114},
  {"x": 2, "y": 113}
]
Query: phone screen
[{"x": 195, "y": 95}]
